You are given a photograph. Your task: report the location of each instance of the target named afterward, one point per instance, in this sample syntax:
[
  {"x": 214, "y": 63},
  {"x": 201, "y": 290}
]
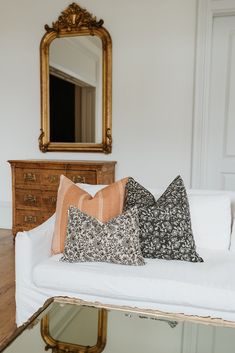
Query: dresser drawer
[
  {"x": 31, "y": 177},
  {"x": 49, "y": 200},
  {"x": 81, "y": 176},
  {"x": 31, "y": 218},
  {"x": 35, "y": 199}
]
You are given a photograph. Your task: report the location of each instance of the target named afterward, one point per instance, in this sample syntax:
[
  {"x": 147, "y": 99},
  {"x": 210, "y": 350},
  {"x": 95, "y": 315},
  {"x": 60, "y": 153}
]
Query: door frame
[{"x": 206, "y": 11}]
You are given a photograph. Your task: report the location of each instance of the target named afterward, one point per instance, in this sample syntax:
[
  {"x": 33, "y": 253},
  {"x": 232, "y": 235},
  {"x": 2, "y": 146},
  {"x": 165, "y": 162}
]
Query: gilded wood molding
[{"x": 76, "y": 21}]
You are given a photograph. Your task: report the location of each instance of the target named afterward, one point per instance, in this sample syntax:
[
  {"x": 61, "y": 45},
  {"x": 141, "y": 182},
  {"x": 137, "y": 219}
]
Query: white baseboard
[{"x": 5, "y": 214}]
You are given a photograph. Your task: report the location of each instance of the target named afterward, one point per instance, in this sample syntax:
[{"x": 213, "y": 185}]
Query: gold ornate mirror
[{"x": 76, "y": 84}]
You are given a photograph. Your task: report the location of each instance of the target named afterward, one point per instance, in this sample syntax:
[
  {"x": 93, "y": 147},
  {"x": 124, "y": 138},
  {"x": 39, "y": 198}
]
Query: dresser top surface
[{"x": 60, "y": 161}]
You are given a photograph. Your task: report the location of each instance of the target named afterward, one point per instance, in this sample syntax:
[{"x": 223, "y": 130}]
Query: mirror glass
[
  {"x": 76, "y": 84},
  {"x": 75, "y": 69},
  {"x": 82, "y": 324},
  {"x": 67, "y": 325}
]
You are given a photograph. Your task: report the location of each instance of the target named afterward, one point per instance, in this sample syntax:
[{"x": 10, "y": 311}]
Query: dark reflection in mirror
[{"x": 75, "y": 120}]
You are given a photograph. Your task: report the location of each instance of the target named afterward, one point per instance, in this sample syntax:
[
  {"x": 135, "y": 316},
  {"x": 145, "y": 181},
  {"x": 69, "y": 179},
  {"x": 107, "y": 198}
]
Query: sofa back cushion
[
  {"x": 92, "y": 189},
  {"x": 210, "y": 216},
  {"x": 211, "y": 220},
  {"x": 106, "y": 204}
]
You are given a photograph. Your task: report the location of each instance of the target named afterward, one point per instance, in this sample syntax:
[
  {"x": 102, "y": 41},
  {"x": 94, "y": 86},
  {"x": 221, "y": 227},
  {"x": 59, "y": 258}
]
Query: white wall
[{"x": 153, "y": 74}]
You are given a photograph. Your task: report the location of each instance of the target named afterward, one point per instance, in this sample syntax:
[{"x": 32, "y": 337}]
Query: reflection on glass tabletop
[{"x": 72, "y": 325}]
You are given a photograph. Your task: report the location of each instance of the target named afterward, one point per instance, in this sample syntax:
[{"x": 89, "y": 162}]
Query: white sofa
[{"x": 200, "y": 289}]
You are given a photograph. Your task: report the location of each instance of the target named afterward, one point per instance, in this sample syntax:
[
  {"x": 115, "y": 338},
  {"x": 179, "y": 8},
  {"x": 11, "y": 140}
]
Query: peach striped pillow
[{"x": 106, "y": 204}]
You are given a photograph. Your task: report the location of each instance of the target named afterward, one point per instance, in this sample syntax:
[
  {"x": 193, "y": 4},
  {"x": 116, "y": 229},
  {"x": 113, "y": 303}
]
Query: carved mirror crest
[{"x": 76, "y": 84}]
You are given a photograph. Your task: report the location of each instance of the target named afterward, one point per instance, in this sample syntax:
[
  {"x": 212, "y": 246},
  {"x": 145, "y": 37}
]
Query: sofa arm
[{"x": 32, "y": 247}]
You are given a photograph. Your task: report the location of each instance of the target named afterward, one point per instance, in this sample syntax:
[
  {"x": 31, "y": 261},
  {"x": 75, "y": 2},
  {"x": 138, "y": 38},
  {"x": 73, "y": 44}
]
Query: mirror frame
[
  {"x": 76, "y": 21},
  {"x": 61, "y": 346}
]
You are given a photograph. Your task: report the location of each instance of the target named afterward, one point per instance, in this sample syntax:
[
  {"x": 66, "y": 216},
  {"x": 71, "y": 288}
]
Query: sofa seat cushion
[{"x": 209, "y": 285}]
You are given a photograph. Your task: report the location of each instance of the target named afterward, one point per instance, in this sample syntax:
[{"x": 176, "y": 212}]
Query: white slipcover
[{"x": 204, "y": 289}]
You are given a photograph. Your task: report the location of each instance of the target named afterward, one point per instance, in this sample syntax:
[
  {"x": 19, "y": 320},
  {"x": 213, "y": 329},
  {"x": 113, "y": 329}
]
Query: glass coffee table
[{"x": 72, "y": 325}]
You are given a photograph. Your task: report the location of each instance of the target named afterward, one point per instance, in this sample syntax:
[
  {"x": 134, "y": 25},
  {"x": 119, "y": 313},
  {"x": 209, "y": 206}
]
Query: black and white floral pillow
[
  {"x": 165, "y": 225},
  {"x": 116, "y": 241},
  {"x": 137, "y": 195}
]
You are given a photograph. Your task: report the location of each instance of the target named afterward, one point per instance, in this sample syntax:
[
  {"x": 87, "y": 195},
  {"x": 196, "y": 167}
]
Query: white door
[{"x": 220, "y": 159}]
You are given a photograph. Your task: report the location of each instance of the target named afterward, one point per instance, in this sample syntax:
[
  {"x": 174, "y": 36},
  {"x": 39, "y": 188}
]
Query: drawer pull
[
  {"x": 30, "y": 219},
  {"x": 52, "y": 200},
  {"x": 53, "y": 178},
  {"x": 78, "y": 179},
  {"x": 30, "y": 199},
  {"x": 29, "y": 177}
]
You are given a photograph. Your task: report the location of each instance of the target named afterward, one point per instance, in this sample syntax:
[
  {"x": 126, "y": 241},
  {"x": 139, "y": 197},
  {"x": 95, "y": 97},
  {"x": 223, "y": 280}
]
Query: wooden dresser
[{"x": 35, "y": 184}]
